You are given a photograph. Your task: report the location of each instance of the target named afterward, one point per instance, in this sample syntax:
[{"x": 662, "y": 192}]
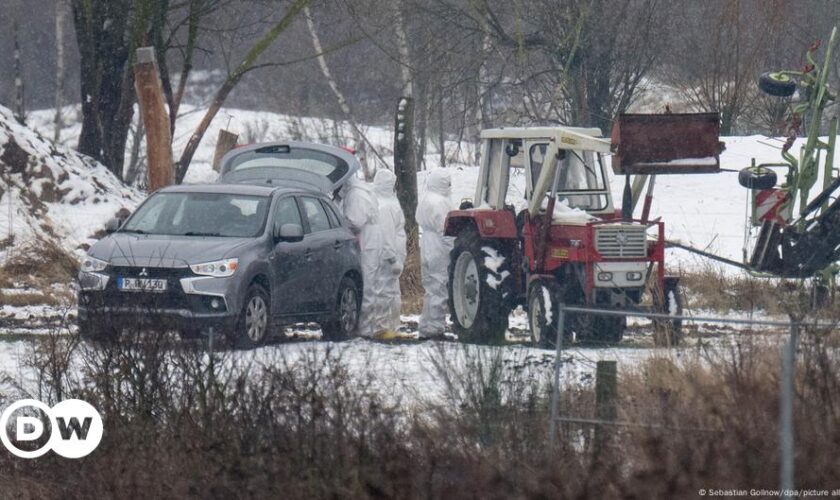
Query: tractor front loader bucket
[{"x": 666, "y": 144}]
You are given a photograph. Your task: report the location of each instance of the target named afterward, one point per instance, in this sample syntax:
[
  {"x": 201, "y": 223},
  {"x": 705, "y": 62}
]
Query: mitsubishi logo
[{"x": 143, "y": 272}]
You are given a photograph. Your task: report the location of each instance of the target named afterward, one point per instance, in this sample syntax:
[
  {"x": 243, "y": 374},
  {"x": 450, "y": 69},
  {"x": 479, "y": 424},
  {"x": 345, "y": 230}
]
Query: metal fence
[{"x": 786, "y": 431}]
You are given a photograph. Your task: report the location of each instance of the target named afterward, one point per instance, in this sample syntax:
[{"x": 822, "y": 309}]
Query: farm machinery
[
  {"x": 803, "y": 243},
  {"x": 563, "y": 240}
]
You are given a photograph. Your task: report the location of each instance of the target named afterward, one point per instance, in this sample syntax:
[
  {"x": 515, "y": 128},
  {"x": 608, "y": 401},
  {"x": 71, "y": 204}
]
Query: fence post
[
  {"x": 555, "y": 393},
  {"x": 786, "y": 437},
  {"x": 225, "y": 142},
  {"x": 606, "y": 392}
]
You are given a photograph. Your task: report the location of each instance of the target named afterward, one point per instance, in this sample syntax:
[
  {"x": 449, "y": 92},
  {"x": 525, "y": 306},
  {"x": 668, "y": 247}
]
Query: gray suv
[{"x": 265, "y": 246}]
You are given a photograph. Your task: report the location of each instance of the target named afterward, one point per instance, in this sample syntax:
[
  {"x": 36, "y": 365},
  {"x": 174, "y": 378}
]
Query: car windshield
[{"x": 200, "y": 214}]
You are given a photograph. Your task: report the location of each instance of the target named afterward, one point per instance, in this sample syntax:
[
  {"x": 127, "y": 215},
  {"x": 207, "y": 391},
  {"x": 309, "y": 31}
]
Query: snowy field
[{"x": 704, "y": 211}]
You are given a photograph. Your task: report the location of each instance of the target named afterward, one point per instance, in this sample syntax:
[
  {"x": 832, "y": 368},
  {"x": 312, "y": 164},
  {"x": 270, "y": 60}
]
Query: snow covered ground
[{"x": 707, "y": 211}]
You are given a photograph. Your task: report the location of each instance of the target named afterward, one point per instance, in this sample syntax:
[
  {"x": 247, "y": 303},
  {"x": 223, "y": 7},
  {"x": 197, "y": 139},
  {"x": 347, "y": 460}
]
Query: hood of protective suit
[
  {"x": 439, "y": 182},
  {"x": 359, "y": 203},
  {"x": 435, "y": 204},
  {"x": 384, "y": 182}
]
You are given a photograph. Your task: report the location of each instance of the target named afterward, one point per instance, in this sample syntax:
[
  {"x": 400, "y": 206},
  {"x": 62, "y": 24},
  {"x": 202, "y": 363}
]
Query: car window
[
  {"x": 334, "y": 219},
  {"x": 286, "y": 212},
  {"x": 315, "y": 214}
]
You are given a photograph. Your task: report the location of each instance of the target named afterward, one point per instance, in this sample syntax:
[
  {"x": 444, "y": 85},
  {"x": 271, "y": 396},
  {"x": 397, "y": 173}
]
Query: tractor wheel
[
  {"x": 479, "y": 279},
  {"x": 542, "y": 316},
  {"x": 668, "y": 332},
  {"x": 757, "y": 178},
  {"x": 542, "y": 310},
  {"x": 777, "y": 84}
]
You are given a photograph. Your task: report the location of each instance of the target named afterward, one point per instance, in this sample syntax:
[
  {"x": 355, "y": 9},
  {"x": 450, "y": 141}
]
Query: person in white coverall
[
  {"x": 361, "y": 210},
  {"x": 392, "y": 221},
  {"x": 434, "y": 252}
]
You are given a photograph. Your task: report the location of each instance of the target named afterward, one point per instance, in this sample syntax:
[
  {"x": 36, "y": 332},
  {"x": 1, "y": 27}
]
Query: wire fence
[{"x": 786, "y": 389}]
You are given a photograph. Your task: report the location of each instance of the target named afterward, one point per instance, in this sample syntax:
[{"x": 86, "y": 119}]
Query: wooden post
[
  {"x": 226, "y": 142},
  {"x": 160, "y": 172},
  {"x": 606, "y": 410}
]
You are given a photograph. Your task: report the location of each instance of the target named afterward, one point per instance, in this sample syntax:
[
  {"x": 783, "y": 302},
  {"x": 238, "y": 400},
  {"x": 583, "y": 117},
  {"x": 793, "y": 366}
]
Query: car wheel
[
  {"x": 254, "y": 322},
  {"x": 345, "y": 318}
]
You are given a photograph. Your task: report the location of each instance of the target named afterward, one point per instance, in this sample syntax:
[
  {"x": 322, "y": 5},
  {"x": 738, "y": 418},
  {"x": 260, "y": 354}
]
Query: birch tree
[
  {"x": 361, "y": 141},
  {"x": 60, "y": 68}
]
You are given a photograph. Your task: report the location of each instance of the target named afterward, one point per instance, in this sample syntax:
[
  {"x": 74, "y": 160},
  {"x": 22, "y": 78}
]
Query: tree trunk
[
  {"x": 106, "y": 81},
  {"x": 134, "y": 164},
  {"x": 60, "y": 69},
  {"x": 405, "y": 168},
  {"x": 358, "y": 137},
  {"x": 20, "y": 109},
  {"x": 189, "y": 51},
  {"x": 441, "y": 129}
]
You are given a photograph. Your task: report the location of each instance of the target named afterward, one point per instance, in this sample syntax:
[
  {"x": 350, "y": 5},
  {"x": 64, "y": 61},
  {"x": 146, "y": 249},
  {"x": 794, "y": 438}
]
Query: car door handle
[
  {"x": 337, "y": 244},
  {"x": 307, "y": 254}
]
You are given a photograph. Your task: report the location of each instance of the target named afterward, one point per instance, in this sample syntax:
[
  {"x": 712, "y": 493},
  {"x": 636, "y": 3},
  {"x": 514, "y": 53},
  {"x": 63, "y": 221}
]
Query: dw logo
[{"x": 29, "y": 428}]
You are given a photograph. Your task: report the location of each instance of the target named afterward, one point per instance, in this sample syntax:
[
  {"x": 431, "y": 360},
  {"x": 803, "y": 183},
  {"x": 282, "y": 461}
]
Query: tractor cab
[{"x": 574, "y": 154}]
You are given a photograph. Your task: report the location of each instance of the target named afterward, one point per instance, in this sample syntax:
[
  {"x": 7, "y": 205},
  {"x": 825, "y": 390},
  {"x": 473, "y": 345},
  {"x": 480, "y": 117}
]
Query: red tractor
[{"x": 563, "y": 241}]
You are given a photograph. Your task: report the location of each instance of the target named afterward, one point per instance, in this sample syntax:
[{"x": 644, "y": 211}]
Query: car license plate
[{"x": 141, "y": 285}]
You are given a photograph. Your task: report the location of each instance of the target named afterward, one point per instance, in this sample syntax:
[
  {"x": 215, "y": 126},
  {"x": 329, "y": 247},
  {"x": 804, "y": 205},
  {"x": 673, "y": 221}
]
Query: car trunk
[{"x": 290, "y": 164}]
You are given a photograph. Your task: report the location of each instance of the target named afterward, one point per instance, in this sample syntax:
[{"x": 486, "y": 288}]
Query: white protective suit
[
  {"x": 434, "y": 251},
  {"x": 361, "y": 210},
  {"x": 392, "y": 221}
]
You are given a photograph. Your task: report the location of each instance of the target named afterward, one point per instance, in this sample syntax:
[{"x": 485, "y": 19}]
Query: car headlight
[
  {"x": 219, "y": 268},
  {"x": 92, "y": 265}
]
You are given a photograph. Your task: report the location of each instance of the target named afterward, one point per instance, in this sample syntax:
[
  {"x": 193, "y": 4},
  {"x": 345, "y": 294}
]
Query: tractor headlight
[
  {"x": 605, "y": 276},
  {"x": 217, "y": 269},
  {"x": 91, "y": 265}
]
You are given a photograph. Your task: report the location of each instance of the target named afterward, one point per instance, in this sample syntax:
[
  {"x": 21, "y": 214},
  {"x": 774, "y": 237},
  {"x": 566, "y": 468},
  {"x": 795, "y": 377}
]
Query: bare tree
[
  {"x": 60, "y": 67},
  {"x": 361, "y": 141},
  {"x": 247, "y": 64},
  {"x": 720, "y": 53},
  {"x": 103, "y": 33},
  {"x": 20, "y": 107}
]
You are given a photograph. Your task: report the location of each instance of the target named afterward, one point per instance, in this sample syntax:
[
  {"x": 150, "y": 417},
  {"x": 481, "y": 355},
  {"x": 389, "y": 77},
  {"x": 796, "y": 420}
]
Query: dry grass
[
  {"x": 39, "y": 264},
  {"x": 181, "y": 423},
  {"x": 713, "y": 289},
  {"x": 29, "y": 299}
]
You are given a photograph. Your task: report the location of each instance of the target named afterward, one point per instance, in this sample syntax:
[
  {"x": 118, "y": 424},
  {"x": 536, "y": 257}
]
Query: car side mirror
[
  {"x": 112, "y": 225},
  {"x": 289, "y": 232}
]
